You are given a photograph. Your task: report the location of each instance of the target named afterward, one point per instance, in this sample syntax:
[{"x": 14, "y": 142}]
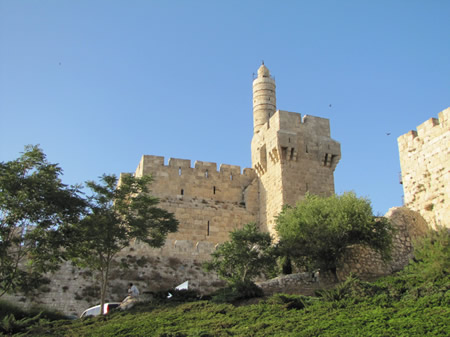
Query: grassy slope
[{"x": 414, "y": 302}]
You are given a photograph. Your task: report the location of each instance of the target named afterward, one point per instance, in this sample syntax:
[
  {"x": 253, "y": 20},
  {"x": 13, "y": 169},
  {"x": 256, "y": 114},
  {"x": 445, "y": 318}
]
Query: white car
[{"x": 95, "y": 311}]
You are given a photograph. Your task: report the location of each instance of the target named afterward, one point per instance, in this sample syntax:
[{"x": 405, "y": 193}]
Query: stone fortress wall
[
  {"x": 425, "y": 164},
  {"x": 208, "y": 203},
  {"x": 291, "y": 156}
]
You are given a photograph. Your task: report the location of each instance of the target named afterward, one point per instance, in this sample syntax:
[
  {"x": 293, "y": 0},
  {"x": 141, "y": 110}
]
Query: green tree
[
  {"x": 248, "y": 254},
  {"x": 317, "y": 231},
  {"x": 118, "y": 213},
  {"x": 35, "y": 206}
]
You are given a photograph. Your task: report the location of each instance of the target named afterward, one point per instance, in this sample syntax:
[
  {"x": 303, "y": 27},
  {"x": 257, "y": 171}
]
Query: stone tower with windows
[
  {"x": 290, "y": 157},
  {"x": 290, "y": 154}
]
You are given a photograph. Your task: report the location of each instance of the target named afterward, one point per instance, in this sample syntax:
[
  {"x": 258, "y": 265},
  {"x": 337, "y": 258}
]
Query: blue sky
[{"x": 100, "y": 83}]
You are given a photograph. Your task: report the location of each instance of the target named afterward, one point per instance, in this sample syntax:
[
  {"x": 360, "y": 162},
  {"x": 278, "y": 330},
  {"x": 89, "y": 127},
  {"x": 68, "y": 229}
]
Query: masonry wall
[
  {"x": 425, "y": 164},
  {"x": 208, "y": 203},
  {"x": 292, "y": 156}
]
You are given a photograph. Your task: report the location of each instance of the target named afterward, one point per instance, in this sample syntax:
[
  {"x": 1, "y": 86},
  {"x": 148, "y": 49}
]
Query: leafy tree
[
  {"x": 34, "y": 208},
  {"x": 118, "y": 213},
  {"x": 248, "y": 254},
  {"x": 317, "y": 231}
]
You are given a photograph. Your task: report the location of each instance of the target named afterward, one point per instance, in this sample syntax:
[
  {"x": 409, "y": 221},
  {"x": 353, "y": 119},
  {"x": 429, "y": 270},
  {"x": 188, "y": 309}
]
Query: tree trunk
[
  {"x": 102, "y": 291},
  {"x": 105, "y": 278},
  {"x": 334, "y": 272}
]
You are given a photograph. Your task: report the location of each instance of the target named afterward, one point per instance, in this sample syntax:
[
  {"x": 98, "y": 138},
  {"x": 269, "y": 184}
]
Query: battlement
[
  {"x": 425, "y": 161},
  {"x": 429, "y": 128},
  {"x": 293, "y": 121},
  {"x": 149, "y": 164}
]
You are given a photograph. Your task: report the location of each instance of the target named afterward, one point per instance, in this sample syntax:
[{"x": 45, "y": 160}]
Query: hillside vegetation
[{"x": 415, "y": 301}]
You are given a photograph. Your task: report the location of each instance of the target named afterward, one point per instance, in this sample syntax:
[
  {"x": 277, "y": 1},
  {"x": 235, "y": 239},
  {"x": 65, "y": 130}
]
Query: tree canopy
[
  {"x": 34, "y": 208},
  {"x": 119, "y": 211},
  {"x": 248, "y": 254},
  {"x": 316, "y": 232}
]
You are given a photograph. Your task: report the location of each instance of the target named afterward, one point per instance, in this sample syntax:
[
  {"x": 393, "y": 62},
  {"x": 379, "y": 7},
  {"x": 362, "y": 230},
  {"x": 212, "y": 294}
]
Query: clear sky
[{"x": 100, "y": 83}]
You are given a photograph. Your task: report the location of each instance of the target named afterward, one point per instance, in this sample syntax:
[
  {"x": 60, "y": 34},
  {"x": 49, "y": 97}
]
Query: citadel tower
[
  {"x": 291, "y": 155},
  {"x": 425, "y": 163}
]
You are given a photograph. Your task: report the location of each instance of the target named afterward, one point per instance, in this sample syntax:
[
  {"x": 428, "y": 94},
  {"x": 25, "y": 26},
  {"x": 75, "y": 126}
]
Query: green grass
[{"x": 414, "y": 302}]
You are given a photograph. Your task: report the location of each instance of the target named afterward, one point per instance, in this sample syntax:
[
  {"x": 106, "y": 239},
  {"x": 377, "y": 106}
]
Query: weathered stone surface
[
  {"x": 425, "y": 165},
  {"x": 291, "y": 155},
  {"x": 368, "y": 264}
]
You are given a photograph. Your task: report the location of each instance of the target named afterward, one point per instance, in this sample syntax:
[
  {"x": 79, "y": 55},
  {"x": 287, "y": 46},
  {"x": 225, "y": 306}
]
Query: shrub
[
  {"x": 291, "y": 301},
  {"x": 247, "y": 255},
  {"x": 14, "y": 319},
  {"x": 237, "y": 291},
  {"x": 316, "y": 232}
]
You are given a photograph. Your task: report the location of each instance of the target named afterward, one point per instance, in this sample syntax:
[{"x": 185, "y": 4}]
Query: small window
[
  {"x": 206, "y": 174},
  {"x": 292, "y": 154},
  {"x": 179, "y": 171},
  {"x": 214, "y": 190},
  {"x": 231, "y": 176},
  {"x": 182, "y": 192},
  {"x": 207, "y": 230},
  {"x": 284, "y": 152}
]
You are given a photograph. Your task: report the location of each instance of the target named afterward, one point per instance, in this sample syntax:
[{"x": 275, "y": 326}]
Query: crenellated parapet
[
  {"x": 182, "y": 168},
  {"x": 208, "y": 202},
  {"x": 291, "y": 155},
  {"x": 425, "y": 164},
  {"x": 287, "y": 137},
  {"x": 430, "y": 128}
]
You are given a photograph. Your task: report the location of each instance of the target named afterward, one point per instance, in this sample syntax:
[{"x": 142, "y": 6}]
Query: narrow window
[
  {"x": 207, "y": 230},
  {"x": 289, "y": 140},
  {"x": 283, "y": 153},
  {"x": 231, "y": 176},
  {"x": 306, "y": 148},
  {"x": 292, "y": 154},
  {"x": 179, "y": 171},
  {"x": 214, "y": 190},
  {"x": 182, "y": 192},
  {"x": 206, "y": 173}
]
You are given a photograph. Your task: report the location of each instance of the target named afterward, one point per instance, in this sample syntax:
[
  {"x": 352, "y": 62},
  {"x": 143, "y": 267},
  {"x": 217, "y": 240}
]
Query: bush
[
  {"x": 10, "y": 325},
  {"x": 236, "y": 292},
  {"x": 291, "y": 301},
  {"x": 316, "y": 232},
  {"x": 7, "y": 308},
  {"x": 185, "y": 295},
  {"x": 247, "y": 255},
  {"x": 14, "y": 319}
]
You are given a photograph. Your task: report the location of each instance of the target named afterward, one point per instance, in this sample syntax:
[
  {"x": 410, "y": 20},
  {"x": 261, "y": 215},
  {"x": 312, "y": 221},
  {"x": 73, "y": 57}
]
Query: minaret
[
  {"x": 264, "y": 98},
  {"x": 291, "y": 155}
]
